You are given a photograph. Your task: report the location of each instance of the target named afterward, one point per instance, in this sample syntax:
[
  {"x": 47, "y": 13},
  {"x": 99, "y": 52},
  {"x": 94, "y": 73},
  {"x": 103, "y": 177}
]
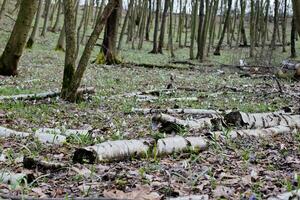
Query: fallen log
[
  {"x": 191, "y": 111},
  {"x": 124, "y": 149},
  {"x": 155, "y": 92},
  {"x": 152, "y": 66},
  {"x": 167, "y": 123},
  {"x": 42, "y": 137},
  {"x": 179, "y": 99},
  {"x": 12, "y": 178},
  {"x": 57, "y": 131},
  {"x": 265, "y": 132},
  {"x": 44, "y": 95},
  {"x": 179, "y": 144},
  {"x": 31, "y": 163},
  {"x": 111, "y": 150},
  {"x": 261, "y": 120}
]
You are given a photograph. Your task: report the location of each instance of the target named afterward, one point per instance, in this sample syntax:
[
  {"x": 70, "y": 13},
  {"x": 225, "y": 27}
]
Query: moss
[{"x": 100, "y": 60}]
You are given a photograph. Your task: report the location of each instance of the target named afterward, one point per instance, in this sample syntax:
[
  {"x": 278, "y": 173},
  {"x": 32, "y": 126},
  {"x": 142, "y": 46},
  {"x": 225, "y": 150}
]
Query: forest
[{"x": 149, "y": 99}]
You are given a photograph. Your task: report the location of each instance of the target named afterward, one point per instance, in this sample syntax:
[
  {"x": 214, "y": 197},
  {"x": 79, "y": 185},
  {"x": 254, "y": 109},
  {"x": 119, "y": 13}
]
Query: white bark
[
  {"x": 201, "y": 123},
  {"x": 42, "y": 137},
  {"x": 178, "y": 144},
  {"x": 266, "y": 132},
  {"x": 262, "y": 120},
  {"x": 176, "y": 111},
  {"x": 113, "y": 150},
  {"x": 12, "y": 178},
  {"x": 57, "y": 131},
  {"x": 124, "y": 149}
]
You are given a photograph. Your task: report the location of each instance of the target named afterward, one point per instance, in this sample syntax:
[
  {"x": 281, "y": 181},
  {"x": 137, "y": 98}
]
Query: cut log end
[
  {"x": 234, "y": 119},
  {"x": 82, "y": 155}
]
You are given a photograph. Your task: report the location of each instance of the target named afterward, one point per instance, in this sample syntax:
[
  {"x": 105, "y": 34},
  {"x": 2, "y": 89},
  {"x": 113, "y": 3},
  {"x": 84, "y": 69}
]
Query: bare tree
[{"x": 14, "y": 48}]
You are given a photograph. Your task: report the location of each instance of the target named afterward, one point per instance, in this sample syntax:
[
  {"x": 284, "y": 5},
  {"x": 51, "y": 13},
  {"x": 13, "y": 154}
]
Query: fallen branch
[
  {"x": 191, "y": 111},
  {"x": 155, "y": 92},
  {"x": 266, "y": 132},
  {"x": 44, "y": 95},
  {"x": 152, "y": 98},
  {"x": 31, "y": 163},
  {"x": 57, "y": 131},
  {"x": 169, "y": 124},
  {"x": 42, "y": 137},
  {"x": 261, "y": 120},
  {"x": 183, "y": 62},
  {"x": 151, "y": 66}
]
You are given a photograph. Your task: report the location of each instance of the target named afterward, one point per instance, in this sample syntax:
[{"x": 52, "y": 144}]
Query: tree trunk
[
  {"x": 130, "y": 6},
  {"x": 17, "y": 41},
  {"x": 275, "y": 27},
  {"x": 293, "y": 38},
  {"x": 2, "y": 10},
  {"x": 252, "y": 29},
  {"x": 296, "y": 9},
  {"x": 55, "y": 27},
  {"x": 193, "y": 27},
  {"x": 171, "y": 30},
  {"x": 284, "y": 26},
  {"x": 31, "y": 39},
  {"x": 61, "y": 39},
  {"x": 218, "y": 48},
  {"x": 148, "y": 21},
  {"x": 69, "y": 90},
  {"x": 108, "y": 53},
  {"x": 200, "y": 26},
  {"x": 47, "y": 8},
  {"x": 155, "y": 50},
  {"x": 162, "y": 27}
]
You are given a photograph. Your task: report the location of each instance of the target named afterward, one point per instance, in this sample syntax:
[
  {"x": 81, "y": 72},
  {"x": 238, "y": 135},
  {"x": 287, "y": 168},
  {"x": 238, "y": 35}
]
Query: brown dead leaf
[{"x": 139, "y": 193}]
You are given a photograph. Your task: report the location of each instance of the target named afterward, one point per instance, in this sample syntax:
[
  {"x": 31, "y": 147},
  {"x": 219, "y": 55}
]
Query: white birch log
[
  {"x": 57, "y": 131},
  {"x": 42, "y": 137},
  {"x": 178, "y": 144},
  {"x": 201, "y": 123},
  {"x": 265, "y": 132},
  {"x": 262, "y": 120},
  {"x": 111, "y": 150},
  {"x": 124, "y": 149},
  {"x": 15, "y": 178},
  {"x": 148, "y": 98},
  {"x": 5, "y": 132},
  {"x": 175, "y": 111},
  {"x": 44, "y": 95}
]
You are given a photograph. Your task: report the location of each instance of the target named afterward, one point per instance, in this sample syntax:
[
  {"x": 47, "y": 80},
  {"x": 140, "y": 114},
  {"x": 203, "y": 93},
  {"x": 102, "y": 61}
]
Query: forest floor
[{"x": 247, "y": 168}]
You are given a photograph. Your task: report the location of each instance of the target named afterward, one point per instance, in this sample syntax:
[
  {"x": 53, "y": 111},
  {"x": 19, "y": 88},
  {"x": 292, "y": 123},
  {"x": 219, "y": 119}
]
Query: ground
[{"x": 245, "y": 168}]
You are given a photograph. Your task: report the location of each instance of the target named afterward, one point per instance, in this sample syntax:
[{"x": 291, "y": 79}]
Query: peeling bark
[{"x": 262, "y": 120}]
